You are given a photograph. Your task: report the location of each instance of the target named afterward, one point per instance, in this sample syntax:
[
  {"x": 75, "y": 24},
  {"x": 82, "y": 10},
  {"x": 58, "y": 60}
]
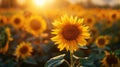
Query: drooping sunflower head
[
  {"x": 23, "y": 50},
  {"x": 5, "y": 39},
  {"x": 69, "y": 32},
  {"x": 35, "y": 25},
  {"x": 101, "y": 41},
  {"x": 17, "y": 21},
  {"x": 3, "y": 20},
  {"x": 110, "y": 59}
]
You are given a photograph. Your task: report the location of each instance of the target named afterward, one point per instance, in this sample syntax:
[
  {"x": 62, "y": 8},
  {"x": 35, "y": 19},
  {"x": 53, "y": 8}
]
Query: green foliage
[
  {"x": 85, "y": 62},
  {"x": 117, "y": 52},
  {"x": 55, "y": 61},
  {"x": 3, "y": 37},
  {"x": 8, "y": 63},
  {"x": 30, "y": 60}
]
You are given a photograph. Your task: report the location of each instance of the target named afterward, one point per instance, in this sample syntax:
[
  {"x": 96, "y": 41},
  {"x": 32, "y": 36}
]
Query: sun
[{"x": 39, "y": 2}]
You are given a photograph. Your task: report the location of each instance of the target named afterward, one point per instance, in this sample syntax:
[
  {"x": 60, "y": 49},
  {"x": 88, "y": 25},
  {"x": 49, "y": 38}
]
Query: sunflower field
[{"x": 59, "y": 33}]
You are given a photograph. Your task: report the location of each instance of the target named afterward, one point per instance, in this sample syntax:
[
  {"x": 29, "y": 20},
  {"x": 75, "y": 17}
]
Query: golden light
[
  {"x": 39, "y": 2},
  {"x": 20, "y": 2},
  {"x": 0, "y": 2}
]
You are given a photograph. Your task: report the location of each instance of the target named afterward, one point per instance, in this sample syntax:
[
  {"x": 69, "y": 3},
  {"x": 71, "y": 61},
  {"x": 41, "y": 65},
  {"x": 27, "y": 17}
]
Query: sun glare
[
  {"x": 39, "y": 2},
  {"x": 21, "y": 2}
]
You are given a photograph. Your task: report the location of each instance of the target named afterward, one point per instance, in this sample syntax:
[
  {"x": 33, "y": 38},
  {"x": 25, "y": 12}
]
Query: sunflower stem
[
  {"x": 71, "y": 59},
  {"x": 67, "y": 63},
  {"x": 19, "y": 63},
  {"x": 110, "y": 65}
]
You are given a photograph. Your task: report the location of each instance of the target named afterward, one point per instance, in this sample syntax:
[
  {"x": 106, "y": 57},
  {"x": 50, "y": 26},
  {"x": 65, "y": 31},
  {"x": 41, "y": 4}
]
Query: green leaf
[
  {"x": 55, "y": 61},
  {"x": 3, "y": 38},
  {"x": 87, "y": 62},
  {"x": 117, "y": 52},
  {"x": 30, "y": 60},
  {"x": 9, "y": 63}
]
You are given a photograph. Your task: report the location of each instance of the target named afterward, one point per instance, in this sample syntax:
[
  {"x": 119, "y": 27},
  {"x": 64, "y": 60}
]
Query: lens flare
[
  {"x": 39, "y": 2},
  {"x": 20, "y": 2}
]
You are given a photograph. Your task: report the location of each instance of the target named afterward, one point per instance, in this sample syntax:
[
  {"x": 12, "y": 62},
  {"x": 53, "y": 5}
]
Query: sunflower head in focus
[
  {"x": 3, "y": 20},
  {"x": 110, "y": 59},
  {"x": 70, "y": 33},
  {"x": 6, "y": 38},
  {"x": 23, "y": 50},
  {"x": 101, "y": 41},
  {"x": 17, "y": 21},
  {"x": 35, "y": 25}
]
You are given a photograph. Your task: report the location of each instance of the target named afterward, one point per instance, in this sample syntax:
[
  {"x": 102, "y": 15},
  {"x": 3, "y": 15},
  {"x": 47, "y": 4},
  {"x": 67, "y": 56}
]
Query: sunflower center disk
[
  {"x": 35, "y": 24},
  {"x": 17, "y": 21},
  {"x": 101, "y": 41},
  {"x": 70, "y": 32},
  {"x": 24, "y": 50},
  {"x": 114, "y": 16},
  {"x": 111, "y": 59},
  {"x": 1, "y": 21},
  {"x": 89, "y": 20}
]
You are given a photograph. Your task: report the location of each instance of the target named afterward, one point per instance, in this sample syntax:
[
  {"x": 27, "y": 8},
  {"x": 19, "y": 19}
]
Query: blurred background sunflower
[
  {"x": 32, "y": 21},
  {"x": 35, "y": 25},
  {"x": 23, "y": 50},
  {"x": 3, "y": 20},
  {"x": 4, "y": 40},
  {"x": 17, "y": 21}
]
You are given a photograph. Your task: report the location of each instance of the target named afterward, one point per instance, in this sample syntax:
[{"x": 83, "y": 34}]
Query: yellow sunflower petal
[{"x": 69, "y": 31}]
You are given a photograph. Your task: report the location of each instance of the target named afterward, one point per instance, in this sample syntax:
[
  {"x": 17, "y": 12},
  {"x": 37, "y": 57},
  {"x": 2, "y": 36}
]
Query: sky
[{"x": 98, "y": 2}]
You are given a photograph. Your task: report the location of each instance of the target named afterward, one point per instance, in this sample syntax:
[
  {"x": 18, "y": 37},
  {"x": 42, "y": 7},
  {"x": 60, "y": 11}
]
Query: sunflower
[
  {"x": 4, "y": 47},
  {"x": 109, "y": 23},
  {"x": 110, "y": 60},
  {"x": 108, "y": 37},
  {"x": 102, "y": 15},
  {"x": 113, "y": 15},
  {"x": 101, "y": 41},
  {"x": 17, "y": 21},
  {"x": 70, "y": 33},
  {"x": 35, "y": 25},
  {"x": 3, "y": 20},
  {"x": 23, "y": 50},
  {"x": 90, "y": 20}
]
